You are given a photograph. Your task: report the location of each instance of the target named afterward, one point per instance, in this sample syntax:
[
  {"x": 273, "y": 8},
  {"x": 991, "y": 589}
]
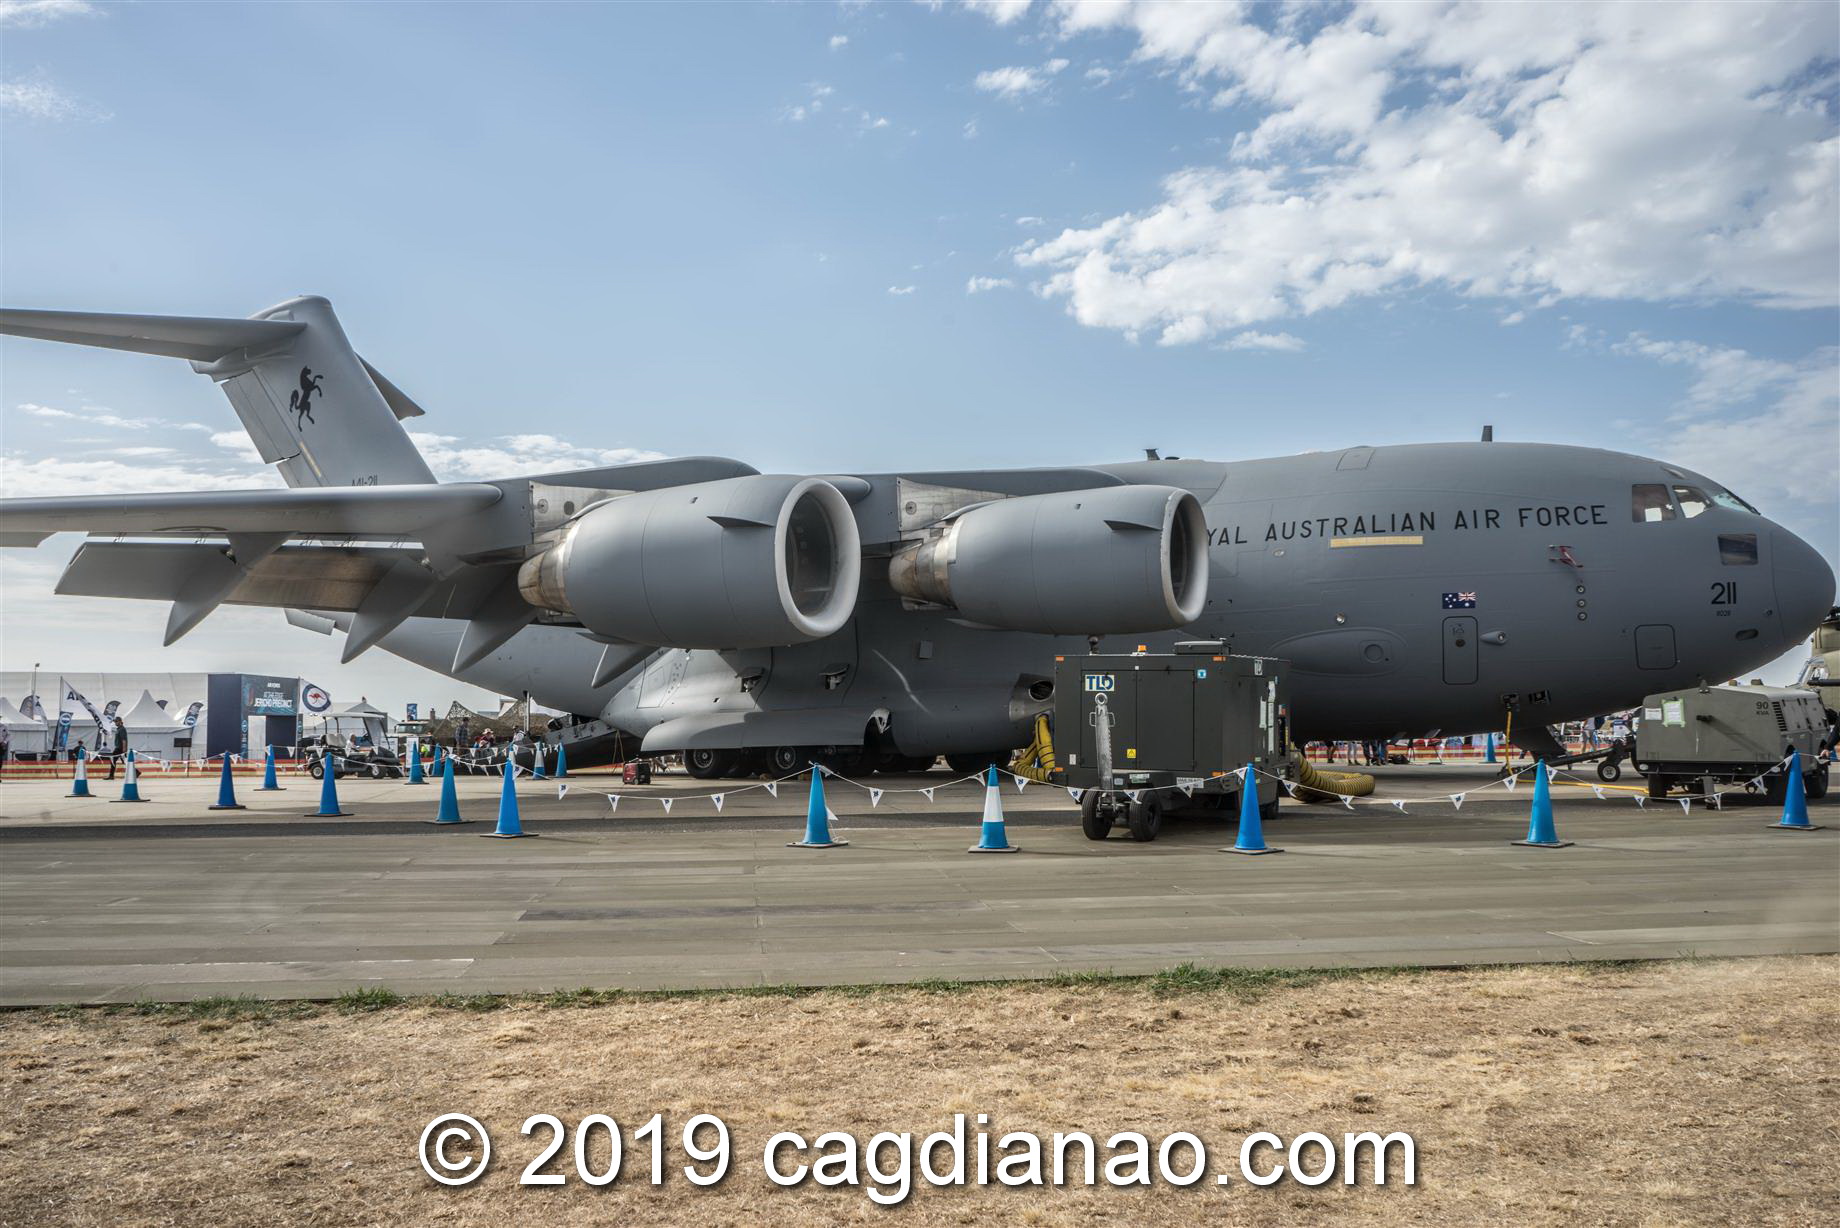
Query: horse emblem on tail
[{"x": 300, "y": 400}]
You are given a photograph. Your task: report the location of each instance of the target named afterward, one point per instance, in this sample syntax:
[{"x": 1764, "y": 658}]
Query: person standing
[
  {"x": 121, "y": 745},
  {"x": 6, "y": 748}
]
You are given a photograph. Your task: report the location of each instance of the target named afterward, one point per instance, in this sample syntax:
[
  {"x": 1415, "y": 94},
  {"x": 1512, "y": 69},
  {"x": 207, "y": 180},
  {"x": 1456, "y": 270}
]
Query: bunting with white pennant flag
[
  {"x": 718, "y": 799},
  {"x": 1641, "y": 802},
  {"x": 773, "y": 788},
  {"x": 928, "y": 793},
  {"x": 1598, "y": 789},
  {"x": 1686, "y": 805},
  {"x": 1456, "y": 800},
  {"x": 1399, "y": 806},
  {"x": 613, "y": 803},
  {"x": 666, "y": 802},
  {"x": 875, "y": 798},
  {"x": 1022, "y": 782},
  {"x": 1347, "y": 800},
  {"x": 1131, "y": 795},
  {"x": 1511, "y": 780},
  {"x": 1076, "y": 794},
  {"x": 562, "y": 789},
  {"x": 1290, "y": 787}
]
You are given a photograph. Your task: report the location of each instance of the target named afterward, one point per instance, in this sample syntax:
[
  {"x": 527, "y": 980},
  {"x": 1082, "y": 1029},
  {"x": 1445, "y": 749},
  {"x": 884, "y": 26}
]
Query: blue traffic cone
[
  {"x": 1541, "y": 834},
  {"x": 416, "y": 775},
  {"x": 536, "y": 761},
  {"x": 508, "y": 826},
  {"x": 562, "y": 762},
  {"x": 329, "y": 790},
  {"x": 1490, "y": 756},
  {"x": 993, "y": 838},
  {"x": 1795, "y": 800},
  {"x": 226, "y": 789},
  {"x": 268, "y": 773},
  {"x": 131, "y": 782},
  {"x": 1251, "y": 838},
  {"x": 449, "y": 813},
  {"x": 79, "y": 777},
  {"x": 817, "y": 818}
]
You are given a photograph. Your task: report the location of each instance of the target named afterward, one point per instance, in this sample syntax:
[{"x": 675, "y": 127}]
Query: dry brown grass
[{"x": 1656, "y": 1094}]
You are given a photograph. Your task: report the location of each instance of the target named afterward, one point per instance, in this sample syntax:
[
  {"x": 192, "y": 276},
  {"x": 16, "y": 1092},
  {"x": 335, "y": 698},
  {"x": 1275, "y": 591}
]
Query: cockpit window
[
  {"x": 1650, "y": 503},
  {"x": 1724, "y": 498},
  {"x": 1738, "y": 549},
  {"x": 1692, "y": 499}
]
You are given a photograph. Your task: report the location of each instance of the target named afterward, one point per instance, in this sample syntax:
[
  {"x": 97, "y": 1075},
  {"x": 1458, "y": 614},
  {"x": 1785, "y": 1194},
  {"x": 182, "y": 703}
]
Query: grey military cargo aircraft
[{"x": 752, "y": 620}]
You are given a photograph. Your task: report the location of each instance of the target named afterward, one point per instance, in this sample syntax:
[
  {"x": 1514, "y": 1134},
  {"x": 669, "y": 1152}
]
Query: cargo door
[
  {"x": 1460, "y": 651},
  {"x": 1655, "y": 646}
]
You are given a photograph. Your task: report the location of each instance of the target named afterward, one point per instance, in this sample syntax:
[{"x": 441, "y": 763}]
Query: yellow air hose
[
  {"x": 1037, "y": 761},
  {"x": 1316, "y": 785}
]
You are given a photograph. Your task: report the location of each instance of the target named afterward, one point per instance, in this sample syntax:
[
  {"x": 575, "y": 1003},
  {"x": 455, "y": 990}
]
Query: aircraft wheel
[
  {"x": 1095, "y": 815},
  {"x": 708, "y": 764},
  {"x": 784, "y": 761},
  {"x": 1815, "y": 783},
  {"x": 1145, "y": 819},
  {"x": 1609, "y": 772},
  {"x": 1658, "y": 785}
]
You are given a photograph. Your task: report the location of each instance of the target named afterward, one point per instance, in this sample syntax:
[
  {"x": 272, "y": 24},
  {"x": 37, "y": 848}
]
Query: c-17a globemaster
[{"x": 754, "y": 620}]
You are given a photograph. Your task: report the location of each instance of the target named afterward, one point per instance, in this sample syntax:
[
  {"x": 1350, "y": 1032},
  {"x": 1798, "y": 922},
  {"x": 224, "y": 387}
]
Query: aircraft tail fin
[{"x": 311, "y": 405}]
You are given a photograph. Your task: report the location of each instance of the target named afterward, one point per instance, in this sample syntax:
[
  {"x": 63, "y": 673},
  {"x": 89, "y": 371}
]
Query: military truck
[{"x": 1724, "y": 734}]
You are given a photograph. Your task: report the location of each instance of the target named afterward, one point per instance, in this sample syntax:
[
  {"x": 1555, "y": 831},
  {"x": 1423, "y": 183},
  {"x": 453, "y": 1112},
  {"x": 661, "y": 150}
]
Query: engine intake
[
  {"x": 751, "y": 562},
  {"x": 1082, "y": 562}
]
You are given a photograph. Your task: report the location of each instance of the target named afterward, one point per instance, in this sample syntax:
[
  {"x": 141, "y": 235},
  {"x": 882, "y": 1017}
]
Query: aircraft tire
[
  {"x": 784, "y": 761},
  {"x": 1095, "y": 821},
  {"x": 709, "y": 764},
  {"x": 1658, "y": 785},
  {"x": 1609, "y": 772},
  {"x": 1145, "y": 819}
]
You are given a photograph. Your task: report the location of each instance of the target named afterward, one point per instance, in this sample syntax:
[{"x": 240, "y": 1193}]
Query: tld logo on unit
[{"x": 1100, "y": 682}]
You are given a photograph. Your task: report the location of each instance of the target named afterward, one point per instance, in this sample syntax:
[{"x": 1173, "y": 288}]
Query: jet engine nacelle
[
  {"x": 752, "y": 562},
  {"x": 1080, "y": 562}
]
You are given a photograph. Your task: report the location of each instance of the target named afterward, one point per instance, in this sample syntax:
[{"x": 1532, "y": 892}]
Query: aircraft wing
[{"x": 371, "y": 512}]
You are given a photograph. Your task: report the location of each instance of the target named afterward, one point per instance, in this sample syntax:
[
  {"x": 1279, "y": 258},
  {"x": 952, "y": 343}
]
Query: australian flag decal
[{"x": 1460, "y": 601}]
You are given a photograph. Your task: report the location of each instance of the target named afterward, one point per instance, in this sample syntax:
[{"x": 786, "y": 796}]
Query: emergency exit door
[{"x": 1459, "y": 651}]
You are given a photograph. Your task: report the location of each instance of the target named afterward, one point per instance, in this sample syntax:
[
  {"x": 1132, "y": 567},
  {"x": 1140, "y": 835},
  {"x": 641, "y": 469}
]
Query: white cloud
[
  {"x": 1016, "y": 82},
  {"x": 901, "y": 291},
  {"x": 839, "y": 41},
  {"x": 455, "y": 460},
  {"x": 23, "y": 477},
  {"x": 983, "y": 285},
  {"x": 1003, "y": 12},
  {"x": 970, "y": 130},
  {"x": 91, "y": 417},
  {"x": 1641, "y": 152},
  {"x": 37, "y": 98},
  {"x": 1768, "y": 428},
  {"x": 1251, "y": 340},
  {"x": 27, "y": 14}
]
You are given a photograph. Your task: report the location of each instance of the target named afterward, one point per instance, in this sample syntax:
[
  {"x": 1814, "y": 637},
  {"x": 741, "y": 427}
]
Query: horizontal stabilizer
[
  {"x": 199, "y": 338},
  {"x": 380, "y": 512}
]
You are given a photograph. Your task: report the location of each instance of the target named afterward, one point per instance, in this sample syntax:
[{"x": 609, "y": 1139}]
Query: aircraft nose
[{"x": 1804, "y": 585}]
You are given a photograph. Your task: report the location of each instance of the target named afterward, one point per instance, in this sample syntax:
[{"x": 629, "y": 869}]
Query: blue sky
[{"x": 830, "y": 237}]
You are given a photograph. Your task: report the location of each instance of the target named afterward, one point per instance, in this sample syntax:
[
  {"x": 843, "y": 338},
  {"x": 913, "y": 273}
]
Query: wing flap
[{"x": 312, "y": 577}]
